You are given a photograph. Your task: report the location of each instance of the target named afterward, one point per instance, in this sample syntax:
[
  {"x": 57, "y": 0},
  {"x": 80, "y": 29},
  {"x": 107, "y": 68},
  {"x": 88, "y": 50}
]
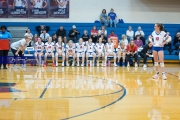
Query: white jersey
[
  {"x": 159, "y": 38},
  {"x": 62, "y": 1},
  {"x": 49, "y": 46},
  {"x": 70, "y": 49},
  {"x": 100, "y": 47},
  {"x": 38, "y": 3},
  {"x": 39, "y": 46},
  {"x": 18, "y": 3},
  {"x": 121, "y": 49},
  {"x": 80, "y": 47},
  {"x": 16, "y": 45},
  {"x": 59, "y": 47},
  {"x": 110, "y": 47},
  {"x": 90, "y": 47}
]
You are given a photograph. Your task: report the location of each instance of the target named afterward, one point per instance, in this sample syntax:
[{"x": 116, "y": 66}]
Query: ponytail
[{"x": 160, "y": 25}]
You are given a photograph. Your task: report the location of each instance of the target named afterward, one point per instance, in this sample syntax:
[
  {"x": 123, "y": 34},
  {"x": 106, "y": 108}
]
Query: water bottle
[{"x": 109, "y": 62}]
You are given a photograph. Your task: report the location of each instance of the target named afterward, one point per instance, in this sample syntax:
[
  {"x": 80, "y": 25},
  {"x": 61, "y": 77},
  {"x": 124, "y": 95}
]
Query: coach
[{"x": 4, "y": 35}]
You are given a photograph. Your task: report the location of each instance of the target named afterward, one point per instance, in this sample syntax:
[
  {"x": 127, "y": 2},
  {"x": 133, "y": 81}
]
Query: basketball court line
[{"x": 42, "y": 94}]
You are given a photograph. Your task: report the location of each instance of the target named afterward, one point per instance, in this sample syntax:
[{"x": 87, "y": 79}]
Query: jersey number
[{"x": 157, "y": 38}]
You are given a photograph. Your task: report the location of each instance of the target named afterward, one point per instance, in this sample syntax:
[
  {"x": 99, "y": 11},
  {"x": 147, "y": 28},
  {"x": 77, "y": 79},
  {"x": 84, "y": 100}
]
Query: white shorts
[
  {"x": 60, "y": 52},
  {"x": 100, "y": 53},
  {"x": 90, "y": 53},
  {"x": 80, "y": 54}
]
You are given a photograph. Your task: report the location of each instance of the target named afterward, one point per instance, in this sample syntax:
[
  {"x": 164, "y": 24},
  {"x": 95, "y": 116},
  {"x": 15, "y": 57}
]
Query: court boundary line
[{"x": 42, "y": 94}]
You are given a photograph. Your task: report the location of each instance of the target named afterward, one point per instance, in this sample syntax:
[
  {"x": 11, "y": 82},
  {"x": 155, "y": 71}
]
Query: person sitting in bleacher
[
  {"x": 54, "y": 38},
  {"x": 138, "y": 41},
  {"x": 39, "y": 50},
  {"x": 49, "y": 47},
  {"x": 112, "y": 18},
  {"x": 112, "y": 34},
  {"x": 94, "y": 34},
  {"x": 148, "y": 39},
  {"x": 145, "y": 53},
  {"x": 124, "y": 40},
  {"x": 103, "y": 33},
  {"x": 80, "y": 51},
  {"x": 130, "y": 33},
  {"x": 104, "y": 18},
  {"x": 60, "y": 51},
  {"x": 177, "y": 41},
  {"x": 61, "y": 32},
  {"x": 45, "y": 36},
  {"x": 90, "y": 50},
  {"x": 85, "y": 36},
  {"x": 121, "y": 53},
  {"x": 28, "y": 32},
  {"x": 41, "y": 28},
  {"x": 140, "y": 33},
  {"x": 132, "y": 52},
  {"x": 100, "y": 49},
  {"x": 70, "y": 52},
  {"x": 110, "y": 51},
  {"x": 73, "y": 33}
]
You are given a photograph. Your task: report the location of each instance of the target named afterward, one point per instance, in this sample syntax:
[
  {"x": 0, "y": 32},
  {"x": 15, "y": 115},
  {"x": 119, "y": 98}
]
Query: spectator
[
  {"x": 149, "y": 39},
  {"x": 41, "y": 28},
  {"x": 112, "y": 34},
  {"x": 36, "y": 37},
  {"x": 94, "y": 34},
  {"x": 169, "y": 42},
  {"x": 104, "y": 18},
  {"x": 112, "y": 18},
  {"x": 85, "y": 36},
  {"x": 104, "y": 41},
  {"x": 140, "y": 33},
  {"x": 28, "y": 32},
  {"x": 54, "y": 38},
  {"x": 146, "y": 52},
  {"x": 130, "y": 33},
  {"x": 102, "y": 33},
  {"x": 132, "y": 52},
  {"x": 45, "y": 36},
  {"x": 73, "y": 34},
  {"x": 177, "y": 41},
  {"x": 138, "y": 42},
  {"x": 61, "y": 32},
  {"x": 124, "y": 40}
]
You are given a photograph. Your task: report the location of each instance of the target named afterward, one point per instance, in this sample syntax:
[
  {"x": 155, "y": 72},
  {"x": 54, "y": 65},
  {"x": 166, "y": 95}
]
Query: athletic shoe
[
  {"x": 56, "y": 64},
  {"x": 136, "y": 65},
  {"x": 53, "y": 65},
  {"x": 164, "y": 77},
  {"x": 62, "y": 64},
  {"x": 73, "y": 64},
  {"x": 82, "y": 65},
  {"x": 156, "y": 76},
  {"x": 97, "y": 64},
  {"x": 115, "y": 65},
  {"x": 128, "y": 65},
  {"x": 44, "y": 65},
  {"x": 77, "y": 64},
  {"x": 144, "y": 66},
  {"x": 104, "y": 65},
  {"x": 67, "y": 64}
]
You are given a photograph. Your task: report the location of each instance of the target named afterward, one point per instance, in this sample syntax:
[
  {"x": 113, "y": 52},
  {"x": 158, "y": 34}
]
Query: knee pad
[
  {"x": 156, "y": 64},
  {"x": 162, "y": 64}
]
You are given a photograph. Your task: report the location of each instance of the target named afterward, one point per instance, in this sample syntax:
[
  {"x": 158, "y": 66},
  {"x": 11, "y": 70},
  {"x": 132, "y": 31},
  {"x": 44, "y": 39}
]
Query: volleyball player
[
  {"x": 110, "y": 51},
  {"x": 160, "y": 39},
  {"x": 100, "y": 49},
  {"x": 60, "y": 51},
  {"x": 39, "y": 49},
  {"x": 70, "y": 51},
  {"x": 80, "y": 51},
  {"x": 49, "y": 46},
  {"x": 90, "y": 51},
  {"x": 121, "y": 53}
]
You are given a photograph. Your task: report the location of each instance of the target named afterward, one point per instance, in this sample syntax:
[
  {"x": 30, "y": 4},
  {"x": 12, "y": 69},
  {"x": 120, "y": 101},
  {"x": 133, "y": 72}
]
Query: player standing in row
[
  {"x": 60, "y": 51},
  {"x": 121, "y": 53},
  {"x": 70, "y": 51},
  {"x": 110, "y": 51},
  {"x": 160, "y": 39},
  {"x": 39, "y": 49},
  {"x": 100, "y": 49},
  {"x": 80, "y": 51},
  {"x": 49, "y": 46},
  {"x": 62, "y": 3},
  {"x": 90, "y": 51}
]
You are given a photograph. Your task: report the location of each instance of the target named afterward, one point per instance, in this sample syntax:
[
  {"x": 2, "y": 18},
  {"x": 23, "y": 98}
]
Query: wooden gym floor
[{"x": 89, "y": 93}]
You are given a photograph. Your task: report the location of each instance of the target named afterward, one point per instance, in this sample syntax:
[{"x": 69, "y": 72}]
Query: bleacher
[{"x": 121, "y": 29}]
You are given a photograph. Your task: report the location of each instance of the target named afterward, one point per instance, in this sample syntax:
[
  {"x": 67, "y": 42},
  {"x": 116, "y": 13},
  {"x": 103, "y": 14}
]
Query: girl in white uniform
[
  {"x": 90, "y": 51},
  {"x": 39, "y": 49},
  {"x": 80, "y": 51},
  {"x": 121, "y": 53},
  {"x": 39, "y": 3},
  {"x": 110, "y": 51},
  {"x": 70, "y": 51},
  {"x": 62, "y": 3},
  {"x": 60, "y": 51},
  {"x": 49, "y": 51},
  {"x": 100, "y": 50},
  {"x": 160, "y": 39}
]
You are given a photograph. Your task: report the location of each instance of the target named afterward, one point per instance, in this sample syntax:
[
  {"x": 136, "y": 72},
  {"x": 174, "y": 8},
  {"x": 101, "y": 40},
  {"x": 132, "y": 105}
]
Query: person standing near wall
[
  {"x": 4, "y": 53},
  {"x": 104, "y": 18},
  {"x": 112, "y": 18}
]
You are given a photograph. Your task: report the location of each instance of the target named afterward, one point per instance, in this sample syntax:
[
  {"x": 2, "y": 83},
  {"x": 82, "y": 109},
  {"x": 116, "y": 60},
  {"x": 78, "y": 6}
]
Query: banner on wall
[
  {"x": 3, "y": 9},
  {"x": 59, "y": 9},
  {"x": 17, "y": 8}
]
